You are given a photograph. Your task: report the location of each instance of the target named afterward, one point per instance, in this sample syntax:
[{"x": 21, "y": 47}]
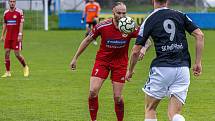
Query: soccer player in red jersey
[
  {"x": 112, "y": 58},
  {"x": 13, "y": 27}
]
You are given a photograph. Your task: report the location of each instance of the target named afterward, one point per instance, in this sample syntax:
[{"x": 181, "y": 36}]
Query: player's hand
[
  {"x": 142, "y": 53},
  {"x": 128, "y": 75},
  {"x": 73, "y": 64},
  {"x": 19, "y": 38},
  {"x": 82, "y": 20},
  {"x": 197, "y": 69},
  {"x": 2, "y": 38}
]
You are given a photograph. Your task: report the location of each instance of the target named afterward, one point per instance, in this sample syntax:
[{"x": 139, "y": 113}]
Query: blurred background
[
  {"x": 66, "y": 14},
  {"x": 52, "y": 33}
]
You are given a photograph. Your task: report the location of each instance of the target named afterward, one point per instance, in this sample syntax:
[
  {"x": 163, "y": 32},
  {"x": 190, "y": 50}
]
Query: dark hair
[
  {"x": 161, "y": 1},
  {"x": 116, "y": 4}
]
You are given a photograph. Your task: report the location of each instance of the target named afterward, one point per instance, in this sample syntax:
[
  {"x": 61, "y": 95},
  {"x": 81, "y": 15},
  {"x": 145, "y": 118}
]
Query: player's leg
[
  {"x": 91, "y": 26},
  {"x": 156, "y": 88},
  {"x": 7, "y": 63},
  {"x": 20, "y": 57},
  {"x": 17, "y": 46},
  {"x": 118, "y": 72},
  {"x": 95, "y": 85},
  {"x": 174, "y": 109},
  {"x": 118, "y": 100},
  {"x": 151, "y": 104},
  {"x": 88, "y": 28},
  {"x": 178, "y": 90},
  {"x": 22, "y": 61},
  {"x": 99, "y": 74}
]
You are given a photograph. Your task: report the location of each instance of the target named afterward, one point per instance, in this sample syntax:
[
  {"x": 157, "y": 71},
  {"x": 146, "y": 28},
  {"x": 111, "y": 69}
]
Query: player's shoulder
[
  {"x": 96, "y": 3},
  {"x": 105, "y": 23},
  {"x": 6, "y": 11},
  {"x": 87, "y": 4},
  {"x": 19, "y": 10}
]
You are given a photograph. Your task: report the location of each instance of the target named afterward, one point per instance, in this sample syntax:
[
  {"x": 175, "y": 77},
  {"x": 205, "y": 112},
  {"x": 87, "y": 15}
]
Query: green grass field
[{"x": 54, "y": 93}]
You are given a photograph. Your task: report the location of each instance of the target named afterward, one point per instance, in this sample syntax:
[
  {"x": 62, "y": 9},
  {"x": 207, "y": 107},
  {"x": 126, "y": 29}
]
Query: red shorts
[
  {"x": 101, "y": 69},
  {"x": 13, "y": 44}
]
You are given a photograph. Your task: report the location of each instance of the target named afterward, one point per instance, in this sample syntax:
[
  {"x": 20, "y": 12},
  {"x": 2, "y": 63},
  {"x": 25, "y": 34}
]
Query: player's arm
[
  {"x": 199, "y": 37},
  {"x": 98, "y": 11},
  {"x": 20, "y": 34},
  {"x": 84, "y": 44},
  {"x": 140, "y": 42},
  {"x": 144, "y": 49},
  {"x": 3, "y": 31},
  {"x": 83, "y": 15},
  {"x": 133, "y": 60}
]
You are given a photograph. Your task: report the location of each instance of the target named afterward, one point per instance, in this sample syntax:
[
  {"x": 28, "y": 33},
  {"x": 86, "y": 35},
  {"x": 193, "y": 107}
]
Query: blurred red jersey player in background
[{"x": 13, "y": 27}]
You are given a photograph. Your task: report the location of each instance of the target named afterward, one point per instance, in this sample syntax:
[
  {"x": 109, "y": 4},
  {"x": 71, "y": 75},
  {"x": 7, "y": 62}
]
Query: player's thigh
[
  {"x": 118, "y": 72},
  {"x": 100, "y": 69},
  {"x": 179, "y": 87},
  {"x": 95, "y": 84},
  {"x": 8, "y": 44},
  {"x": 117, "y": 88}
]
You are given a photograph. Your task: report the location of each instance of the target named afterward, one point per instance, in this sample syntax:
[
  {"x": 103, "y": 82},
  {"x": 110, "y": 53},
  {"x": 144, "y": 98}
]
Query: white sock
[
  {"x": 150, "y": 120},
  {"x": 178, "y": 117}
]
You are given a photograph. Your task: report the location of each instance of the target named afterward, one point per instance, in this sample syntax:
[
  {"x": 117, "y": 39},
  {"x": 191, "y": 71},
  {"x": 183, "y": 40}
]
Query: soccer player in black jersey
[{"x": 169, "y": 72}]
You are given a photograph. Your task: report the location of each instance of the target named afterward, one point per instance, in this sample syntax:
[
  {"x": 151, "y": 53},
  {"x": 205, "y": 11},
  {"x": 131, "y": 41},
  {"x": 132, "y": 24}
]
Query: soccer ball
[{"x": 126, "y": 25}]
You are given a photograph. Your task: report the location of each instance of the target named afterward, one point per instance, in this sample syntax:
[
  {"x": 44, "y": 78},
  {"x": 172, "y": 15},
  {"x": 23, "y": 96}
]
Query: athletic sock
[
  {"x": 7, "y": 64},
  {"x": 93, "y": 107},
  {"x": 178, "y": 117},
  {"x": 119, "y": 109},
  {"x": 21, "y": 60}
]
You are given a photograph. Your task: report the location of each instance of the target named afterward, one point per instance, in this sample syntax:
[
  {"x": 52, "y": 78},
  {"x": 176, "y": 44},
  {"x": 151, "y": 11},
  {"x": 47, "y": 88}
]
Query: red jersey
[
  {"x": 114, "y": 45},
  {"x": 12, "y": 19}
]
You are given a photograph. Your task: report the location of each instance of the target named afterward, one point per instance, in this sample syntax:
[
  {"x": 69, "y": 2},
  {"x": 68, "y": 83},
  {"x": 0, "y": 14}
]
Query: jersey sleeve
[
  {"x": 189, "y": 25},
  {"x": 22, "y": 16},
  {"x": 4, "y": 16},
  {"x": 144, "y": 33},
  {"x": 134, "y": 34},
  {"x": 95, "y": 32}
]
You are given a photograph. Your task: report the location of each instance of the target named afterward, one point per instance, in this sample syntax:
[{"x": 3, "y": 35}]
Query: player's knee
[
  {"x": 7, "y": 55},
  {"x": 17, "y": 54},
  {"x": 93, "y": 94},
  {"x": 117, "y": 99},
  {"x": 150, "y": 109}
]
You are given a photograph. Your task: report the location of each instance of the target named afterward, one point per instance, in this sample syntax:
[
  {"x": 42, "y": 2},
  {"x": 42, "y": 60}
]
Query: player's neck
[
  {"x": 12, "y": 9},
  {"x": 159, "y": 5},
  {"x": 115, "y": 23}
]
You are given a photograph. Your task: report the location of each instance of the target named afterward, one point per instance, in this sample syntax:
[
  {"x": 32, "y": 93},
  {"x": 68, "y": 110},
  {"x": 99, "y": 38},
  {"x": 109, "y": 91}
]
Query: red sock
[
  {"x": 119, "y": 109},
  {"x": 7, "y": 64},
  {"x": 21, "y": 60},
  {"x": 93, "y": 107}
]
